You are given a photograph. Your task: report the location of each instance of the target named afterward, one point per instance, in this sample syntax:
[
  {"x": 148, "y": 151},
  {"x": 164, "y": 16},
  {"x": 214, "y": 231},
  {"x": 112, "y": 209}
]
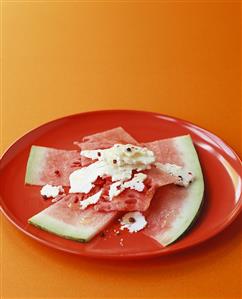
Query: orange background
[{"x": 177, "y": 58}]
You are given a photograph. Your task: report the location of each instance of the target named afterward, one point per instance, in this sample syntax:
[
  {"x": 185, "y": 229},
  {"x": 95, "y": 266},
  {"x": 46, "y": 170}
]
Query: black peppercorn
[{"x": 131, "y": 219}]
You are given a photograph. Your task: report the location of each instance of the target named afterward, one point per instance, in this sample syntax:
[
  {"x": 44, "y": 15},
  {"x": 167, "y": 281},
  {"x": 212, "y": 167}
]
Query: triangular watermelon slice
[
  {"x": 173, "y": 209},
  {"x": 65, "y": 219}
]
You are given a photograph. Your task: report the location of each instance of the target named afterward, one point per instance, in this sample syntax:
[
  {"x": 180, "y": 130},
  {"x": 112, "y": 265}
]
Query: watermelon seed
[
  {"x": 128, "y": 149},
  {"x": 44, "y": 196},
  {"x": 76, "y": 199},
  {"x": 114, "y": 161},
  {"x": 76, "y": 162},
  {"x": 99, "y": 154},
  {"x": 180, "y": 177},
  {"x": 57, "y": 172}
]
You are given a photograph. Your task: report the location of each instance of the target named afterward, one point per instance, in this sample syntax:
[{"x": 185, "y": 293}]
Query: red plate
[{"x": 221, "y": 169}]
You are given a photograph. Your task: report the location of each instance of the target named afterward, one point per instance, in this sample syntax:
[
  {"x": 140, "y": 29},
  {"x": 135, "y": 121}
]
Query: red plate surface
[{"x": 221, "y": 168}]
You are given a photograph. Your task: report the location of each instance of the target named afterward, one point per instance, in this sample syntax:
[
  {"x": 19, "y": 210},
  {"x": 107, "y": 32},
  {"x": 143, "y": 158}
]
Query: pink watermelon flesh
[
  {"x": 166, "y": 151},
  {"x": 165, "y": 207},
  {"x": 104, "y": 140},
  {"x": 51, "y": 166},
  {"x": 131, "y": 200}
]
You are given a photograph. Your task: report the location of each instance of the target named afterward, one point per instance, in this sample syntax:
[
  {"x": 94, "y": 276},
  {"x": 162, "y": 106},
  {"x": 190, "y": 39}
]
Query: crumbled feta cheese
[
  {"x": 51, "y": 191},
  {"x": 136, "y": 183},
  {"x": 133, "y": 221},
  {"x": 91, "y": 200},
  {"x": 81, "y": 180},
  {"x": 185, "y": 177},
  {"x": 117, "y": 162},
  {"x": 115, "y": 189}
]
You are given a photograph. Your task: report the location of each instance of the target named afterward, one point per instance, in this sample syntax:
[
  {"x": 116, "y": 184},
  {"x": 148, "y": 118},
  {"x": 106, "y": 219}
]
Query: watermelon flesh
[
  {"x": 173, "y": 208},
  {"x": 51, "y": 166},
  {"x": 132, "y": 200}
]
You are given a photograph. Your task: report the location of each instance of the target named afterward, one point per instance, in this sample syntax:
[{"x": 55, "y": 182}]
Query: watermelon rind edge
[
  {"x": 60, "y": 228},
  {"x": 36, "y": 158}
]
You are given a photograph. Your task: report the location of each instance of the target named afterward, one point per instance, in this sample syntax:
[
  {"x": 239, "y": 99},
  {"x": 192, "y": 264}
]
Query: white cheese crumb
[
  {"x": 133, "y": 221},
  {"x": 115, "y": 190},
  {"x": 51, "y": 191},
  {"x": 184, "y": 176},
  {"x": 91, "y": 200},
  {"x": 136, "y": 184},
  {"x": 81, "y": 180}
]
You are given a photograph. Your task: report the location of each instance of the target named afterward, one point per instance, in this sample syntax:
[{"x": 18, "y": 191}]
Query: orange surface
[{"x": 178, "y": 58}]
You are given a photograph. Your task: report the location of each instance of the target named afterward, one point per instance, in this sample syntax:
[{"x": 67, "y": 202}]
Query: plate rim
[{"x": 159, "y": 252}]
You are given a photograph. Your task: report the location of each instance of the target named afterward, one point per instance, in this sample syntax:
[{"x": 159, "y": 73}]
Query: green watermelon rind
[
  {"x": 194, "y": 198},
  {"x": 53, "y": 225},
  {"x": 36, "y": 163}
]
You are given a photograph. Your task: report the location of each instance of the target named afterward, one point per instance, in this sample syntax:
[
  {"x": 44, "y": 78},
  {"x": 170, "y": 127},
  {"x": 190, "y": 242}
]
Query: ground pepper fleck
[{"x": 131, "y": 219}]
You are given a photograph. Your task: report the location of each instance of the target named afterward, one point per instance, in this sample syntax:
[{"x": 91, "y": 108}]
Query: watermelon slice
[
  {"x": 65, "y": 219},
  {"x": 51, "y": 166},
  {"x": 173, "y": 209}
]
